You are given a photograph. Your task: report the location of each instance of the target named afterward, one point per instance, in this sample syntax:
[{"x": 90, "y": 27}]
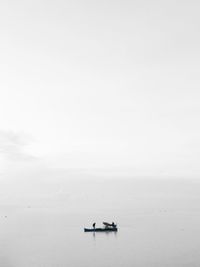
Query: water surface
[{"x": 158, "y": 224}]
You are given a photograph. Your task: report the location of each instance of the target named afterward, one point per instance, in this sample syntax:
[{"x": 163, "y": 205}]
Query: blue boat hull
[{"x": 100, "y": 230}]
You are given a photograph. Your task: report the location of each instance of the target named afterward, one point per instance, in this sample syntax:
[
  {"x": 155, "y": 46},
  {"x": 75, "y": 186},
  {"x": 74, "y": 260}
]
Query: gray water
[{"x": 41, "y": 223}]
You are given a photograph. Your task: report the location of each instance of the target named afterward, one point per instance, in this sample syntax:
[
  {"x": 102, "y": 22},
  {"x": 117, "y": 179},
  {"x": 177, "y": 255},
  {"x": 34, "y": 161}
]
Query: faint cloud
[{"x": 13, "y": 145}]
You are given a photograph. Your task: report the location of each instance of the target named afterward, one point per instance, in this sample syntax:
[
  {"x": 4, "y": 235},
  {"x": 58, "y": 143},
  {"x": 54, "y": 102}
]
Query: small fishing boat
[{"x": 106, "y": 229}]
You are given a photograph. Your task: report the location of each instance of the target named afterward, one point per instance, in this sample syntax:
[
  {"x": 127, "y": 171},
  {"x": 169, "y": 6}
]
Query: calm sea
[{"x": 41, "y": 224}]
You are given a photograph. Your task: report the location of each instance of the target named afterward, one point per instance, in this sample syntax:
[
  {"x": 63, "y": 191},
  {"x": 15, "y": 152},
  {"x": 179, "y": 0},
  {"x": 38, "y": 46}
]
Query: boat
[{"x": 106, "y": 229}]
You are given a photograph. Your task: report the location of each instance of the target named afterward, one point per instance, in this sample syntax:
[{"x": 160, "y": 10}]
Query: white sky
[{"x": 101, "y": 84}]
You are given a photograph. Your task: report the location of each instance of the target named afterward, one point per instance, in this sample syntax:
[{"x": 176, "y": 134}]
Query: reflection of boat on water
[
  {"x": 100, "y": 229},
  {"x": 109, "y": 227}
]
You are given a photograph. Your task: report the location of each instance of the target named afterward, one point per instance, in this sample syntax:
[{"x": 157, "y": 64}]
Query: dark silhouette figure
[
  {"x": 113, "y": 225},
  {"x": 94, "y": 224}
]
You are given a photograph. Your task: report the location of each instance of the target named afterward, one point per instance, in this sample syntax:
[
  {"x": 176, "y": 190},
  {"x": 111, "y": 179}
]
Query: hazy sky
[{"x": 101, "y": 84}]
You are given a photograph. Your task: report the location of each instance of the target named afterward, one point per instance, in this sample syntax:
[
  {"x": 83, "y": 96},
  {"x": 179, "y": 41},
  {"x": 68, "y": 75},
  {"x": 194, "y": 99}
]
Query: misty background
[
  {"x": 99, "y": 121},
  {"x": 107, "y": 85}
]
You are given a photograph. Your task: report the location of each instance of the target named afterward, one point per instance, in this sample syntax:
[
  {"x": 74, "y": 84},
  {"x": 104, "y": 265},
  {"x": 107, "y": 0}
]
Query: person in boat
[
  {"x": 108, "y": 225},
  {"x": 94, "y": 224},
  {"x": 113, "y": 225}
]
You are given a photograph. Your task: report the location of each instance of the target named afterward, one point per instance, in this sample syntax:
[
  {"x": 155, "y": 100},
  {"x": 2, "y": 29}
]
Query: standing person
[
  {"x": 113, "y": 225},
  {"x": 94, "y": 224}
]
